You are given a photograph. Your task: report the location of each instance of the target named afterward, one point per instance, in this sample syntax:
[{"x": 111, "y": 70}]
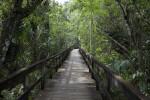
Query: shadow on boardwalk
[{"x": 71, "y": 82}]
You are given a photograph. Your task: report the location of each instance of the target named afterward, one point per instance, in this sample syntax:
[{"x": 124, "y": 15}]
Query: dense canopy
[{"x": 115, "y": 32}]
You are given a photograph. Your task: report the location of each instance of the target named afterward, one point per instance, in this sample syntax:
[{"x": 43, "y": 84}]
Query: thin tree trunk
[
  {"x": 126, "y": 19},
  {"x": 92, "y": 29}
]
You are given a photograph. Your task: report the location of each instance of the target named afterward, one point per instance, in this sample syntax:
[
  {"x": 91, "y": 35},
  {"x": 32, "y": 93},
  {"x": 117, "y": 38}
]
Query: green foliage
[
  {"x": 45, "y": 32},
  {"x": 119, "y": 38},
  {"x": 138, "y": 75},
  {"x": 13, "y": 94},
  {"x": 104, "y": 31}
]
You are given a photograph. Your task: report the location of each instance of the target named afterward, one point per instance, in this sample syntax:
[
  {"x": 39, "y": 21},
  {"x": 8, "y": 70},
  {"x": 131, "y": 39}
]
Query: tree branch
[
  {"x": 124, "y": 16},
  {"x": 140, "y": 14},
  {"x": 118, "y": 44}
]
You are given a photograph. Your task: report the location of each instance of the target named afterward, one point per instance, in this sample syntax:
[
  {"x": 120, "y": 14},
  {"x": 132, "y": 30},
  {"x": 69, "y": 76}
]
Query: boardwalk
[{"x": 71, "y": 82}]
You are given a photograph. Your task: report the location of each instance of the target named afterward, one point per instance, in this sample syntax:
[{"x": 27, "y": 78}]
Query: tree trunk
[
  {"x": 126, "y": 20},
  {"x": 12, "y": 23},
  {"x": 8, "y": 30}
]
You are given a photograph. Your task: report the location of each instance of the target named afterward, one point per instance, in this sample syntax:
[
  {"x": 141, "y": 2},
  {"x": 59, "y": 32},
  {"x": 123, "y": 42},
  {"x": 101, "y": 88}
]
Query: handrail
[
  {"x": 20, "y": 76},
  {"x": 128, "y": 90}
]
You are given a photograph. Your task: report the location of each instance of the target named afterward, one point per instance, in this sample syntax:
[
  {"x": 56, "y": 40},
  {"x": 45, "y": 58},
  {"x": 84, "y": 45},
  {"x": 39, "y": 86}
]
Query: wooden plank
[{"x": 71, "y": 82}]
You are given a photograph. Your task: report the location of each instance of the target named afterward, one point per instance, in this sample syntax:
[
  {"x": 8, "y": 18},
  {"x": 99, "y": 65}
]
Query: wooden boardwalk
[{"x": 71, "y": 82}]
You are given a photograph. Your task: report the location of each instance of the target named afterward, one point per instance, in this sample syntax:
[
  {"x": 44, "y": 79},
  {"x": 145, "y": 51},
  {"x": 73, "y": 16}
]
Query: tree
[
  {"x": 120, "y": 31},
  {"x": 12, "y": 22}
]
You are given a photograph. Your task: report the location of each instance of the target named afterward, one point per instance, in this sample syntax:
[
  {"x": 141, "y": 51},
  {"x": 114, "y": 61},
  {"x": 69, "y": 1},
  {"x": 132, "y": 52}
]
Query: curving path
[{"x": 71, "y": 82}]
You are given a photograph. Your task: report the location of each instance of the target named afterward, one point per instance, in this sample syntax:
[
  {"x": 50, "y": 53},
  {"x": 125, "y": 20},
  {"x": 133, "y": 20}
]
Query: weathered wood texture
[
  {"x": 20, "y": 76},
  {"x": 71, "y": 82},
  {"x": 127, "y": 89}
]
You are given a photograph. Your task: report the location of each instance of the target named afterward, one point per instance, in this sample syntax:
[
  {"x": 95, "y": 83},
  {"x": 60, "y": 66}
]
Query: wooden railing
[
  {"x": 96, "y": 67},
  {"x": 22, "y": 75}
]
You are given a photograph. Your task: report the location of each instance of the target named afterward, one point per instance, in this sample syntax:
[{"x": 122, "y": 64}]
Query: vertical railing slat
[
  {"x": 51, "y": 65},
  {"x": 26, "y": 86},
  {"x": 43, "y": 80}
]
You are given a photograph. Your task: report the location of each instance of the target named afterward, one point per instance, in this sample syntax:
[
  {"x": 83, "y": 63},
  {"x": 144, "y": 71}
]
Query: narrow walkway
[{"x": 71, "y": 82}]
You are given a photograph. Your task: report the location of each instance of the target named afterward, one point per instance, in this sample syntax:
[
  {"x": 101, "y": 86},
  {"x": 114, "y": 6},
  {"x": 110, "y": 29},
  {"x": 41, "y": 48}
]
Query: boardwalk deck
[{"x": 71, "y": 82}]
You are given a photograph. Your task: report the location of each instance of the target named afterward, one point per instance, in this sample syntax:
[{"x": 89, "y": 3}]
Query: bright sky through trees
[{"x": 61, "y": 1}]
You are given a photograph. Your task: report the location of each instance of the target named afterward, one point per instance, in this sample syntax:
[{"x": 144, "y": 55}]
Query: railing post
[
  {"x": 43, "y": 80},
  {"x": 85, "y": 55},
  {"x": 97, "y": 86},
  {"x": 64, "y": 56},
  {"x": 56, "y": 64},
  {"x": 90, "y": 64},
  {"x": 60, "y": 61},
  {"x": 92, "y": 69},
  {"x": 66, "y": 53},
  {"x": 108, "y": 85},
  {"x": 51, "y": 65},
  {"x": 88, "y": 61},
  {"x": 26, "y": 86}
]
